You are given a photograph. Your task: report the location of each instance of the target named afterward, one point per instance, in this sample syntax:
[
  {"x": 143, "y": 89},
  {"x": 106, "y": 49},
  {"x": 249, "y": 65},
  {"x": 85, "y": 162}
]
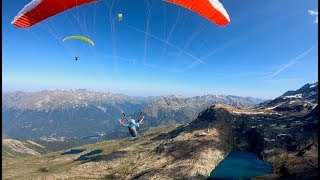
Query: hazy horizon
[{"x": 136, "y": 94}]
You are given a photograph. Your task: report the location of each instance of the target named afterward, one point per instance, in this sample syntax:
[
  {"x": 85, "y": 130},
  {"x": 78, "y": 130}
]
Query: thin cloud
[
  {"x": 172, "y": 70},
  {"x": 133, "y": 61},
  {"x": 166, "y": 42},
  {"x": 285, "y": 80},
  {"x": 292, "y": 61},
  {"x": 192, "y": 65},
  {"x": 253, "y": 75},
  {"x": 315, "y": 13},
  {"x": 223, "y": 46}
]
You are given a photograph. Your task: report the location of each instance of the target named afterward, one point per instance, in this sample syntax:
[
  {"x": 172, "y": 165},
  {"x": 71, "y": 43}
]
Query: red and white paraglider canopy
[
  {"x": 39, "y": 10},
  {"x": 210, "y": 9}
]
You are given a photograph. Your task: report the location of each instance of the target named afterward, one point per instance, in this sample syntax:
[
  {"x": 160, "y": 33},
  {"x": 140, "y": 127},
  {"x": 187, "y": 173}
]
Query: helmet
[{"x": 132, "y": 121}]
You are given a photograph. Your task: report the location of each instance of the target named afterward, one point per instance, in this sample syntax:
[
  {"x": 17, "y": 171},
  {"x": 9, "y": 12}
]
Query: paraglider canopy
[
  {"x": 119, "y": 17},
  {"x": 39, "y": 10},
  {"x": 210, "y": 9},
  {"x": 82, "y": 38}
]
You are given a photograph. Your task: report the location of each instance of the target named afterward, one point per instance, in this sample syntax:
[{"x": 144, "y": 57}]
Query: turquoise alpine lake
[{"x": 241, "y": 165}]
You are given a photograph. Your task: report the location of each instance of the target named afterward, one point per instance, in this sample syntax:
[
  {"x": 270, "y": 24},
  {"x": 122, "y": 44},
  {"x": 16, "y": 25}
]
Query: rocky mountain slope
[
  {"x": 189, "y": 151},
  {"x": 288, "y": 138},
  {"x": 15, "y": 148},
  {"x": 12, "y": 148},
  {"x": 299, "y": 101},
  {"x": 160, "y": 153}
]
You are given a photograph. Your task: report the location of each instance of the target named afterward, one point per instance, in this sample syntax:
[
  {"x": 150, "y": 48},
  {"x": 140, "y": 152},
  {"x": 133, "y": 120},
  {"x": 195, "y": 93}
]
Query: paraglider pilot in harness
[
  {"x": 132, "y": 126},
  {"x": 76, "y": 58}
]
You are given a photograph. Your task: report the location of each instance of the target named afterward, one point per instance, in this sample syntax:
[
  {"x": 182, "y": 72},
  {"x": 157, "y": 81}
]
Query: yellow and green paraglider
[
  {"x": 82, "y": 38},
  {"x": 119, "y": 17}
]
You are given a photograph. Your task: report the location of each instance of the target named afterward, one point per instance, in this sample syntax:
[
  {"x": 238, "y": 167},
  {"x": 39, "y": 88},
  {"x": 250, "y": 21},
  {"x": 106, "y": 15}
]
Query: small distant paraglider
[
  {"x": 119, "y": 17},
  {"x": 82, "y": 38}
]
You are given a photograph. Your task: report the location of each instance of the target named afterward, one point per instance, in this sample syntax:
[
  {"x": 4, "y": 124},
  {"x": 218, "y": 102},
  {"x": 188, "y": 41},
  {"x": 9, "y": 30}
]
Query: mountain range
[
  {"x": 279, "y": 131},
  {"x": 62, "y": 114}
]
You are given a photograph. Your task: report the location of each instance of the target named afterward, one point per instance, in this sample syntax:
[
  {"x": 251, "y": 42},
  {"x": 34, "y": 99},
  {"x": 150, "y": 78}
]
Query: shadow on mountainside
[
  {"x": 86, "y": 157},
  {"x": 108, "y": 157}
]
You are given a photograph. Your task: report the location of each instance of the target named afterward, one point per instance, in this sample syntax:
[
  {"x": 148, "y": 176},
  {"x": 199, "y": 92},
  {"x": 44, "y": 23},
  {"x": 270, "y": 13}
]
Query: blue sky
[{"x": 159, "y": 48}]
